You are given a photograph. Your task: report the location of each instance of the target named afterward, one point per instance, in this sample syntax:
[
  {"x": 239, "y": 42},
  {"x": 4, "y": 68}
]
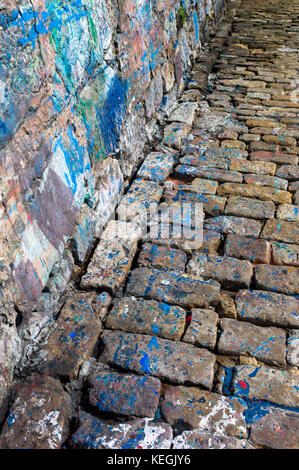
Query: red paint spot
[
  {"x": 242, "y": 384},
  {"x": 29, "y": 219},
  {"x": 188, "y": 318}
]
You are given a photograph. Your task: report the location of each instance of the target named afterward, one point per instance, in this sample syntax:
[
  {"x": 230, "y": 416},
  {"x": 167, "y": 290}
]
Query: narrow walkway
[{"x": 168, "y": 343}]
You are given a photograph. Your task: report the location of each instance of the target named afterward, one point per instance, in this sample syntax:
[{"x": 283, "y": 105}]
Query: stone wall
[{"x": 82, "y": 85}]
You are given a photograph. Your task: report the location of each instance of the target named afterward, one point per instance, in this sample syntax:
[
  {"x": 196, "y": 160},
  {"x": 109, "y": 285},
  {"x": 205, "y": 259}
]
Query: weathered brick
[
  {"x": 264, "y": 193},
  {"x": 162, "y": 257},
  {"x": 282, "y": 279},
  {"x": 39, "y": 416},
  {"x": 268, "y": 308},
  {"x": 264, "y": 383},
  {"x": 201, "y": 440},
  {"x": 130, "y": 395},
  {"x": 253, "y": 249},
  {"x": 247, "y": 166},
  {"x": 74, "y": 338},
  {"x": 282, "y": 231},
  {"x": 230, "y": 272},
  {"x": 232, "y": 224},
  {"x": 293, "y": 348},
  {"x": 173, "y": 361},
  {"x": 278, "y": 429},
  {"x": 113, "y": 256},
  {"x": 147, "y": 317},
  {"x": 288, "y": 212},
  {"x": 173, "y": 288},
  {"x": 202, "y": 330},
  {"x": 285, "y": 253},
  {"x": 267, "y": 344},
  {"x": 156, "y": 167},
  {"x": 94, "y": 433},
  {"x": 206, "y": 412},
  {"x": 247, "y": 207}
]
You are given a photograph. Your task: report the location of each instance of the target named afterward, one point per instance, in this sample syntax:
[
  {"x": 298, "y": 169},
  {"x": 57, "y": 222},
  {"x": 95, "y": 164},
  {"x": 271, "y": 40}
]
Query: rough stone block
[
  {"x": 293, "y": 348},
  {"x": 268, "y": 308},
  {"x": 94, "y": 433},
  {"x": 278, "y": 429},
  {"x": 169, "y": 360},
  {"x": 241, "y": 338},
  {"x": 282, "y": 279},
  {"x": 247, "y": 207},
  {"x": 204, "y": 411},
  {"x": 174, "y": 133},
  {"x": 252, "y": 249},
  {"x": 113, "y": 256},
  {"x": 281, "y": 231},
  {"x": 162, "y": 257},
  {"x": 264, "y": 193},
  {"x": 232, "y": 224},
  {"x": 130, "y": 395},
  {"x": 147, "y": 317},
  {"x": 156, "y": 167},
  {"x": 201, "y": 440},
  {"x": 74, "y": 338},
  {"x": 38, "y": 417},
  {"x": 185, "y": 112},
  {"x": 173, "y": 288},
  {"x": 285, "y": 253},
  {"x": 262, "y": 383},
  {"x": 202, "y": 330},
  {"x": 288, "y": 212},
  {"x": 229, "y": 272}
]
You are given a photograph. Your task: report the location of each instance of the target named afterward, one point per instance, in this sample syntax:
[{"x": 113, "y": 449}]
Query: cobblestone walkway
[{"x": 165, "y": 344}]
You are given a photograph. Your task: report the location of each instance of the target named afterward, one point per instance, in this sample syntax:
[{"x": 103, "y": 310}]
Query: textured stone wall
[{"x": 82, "y": 83}]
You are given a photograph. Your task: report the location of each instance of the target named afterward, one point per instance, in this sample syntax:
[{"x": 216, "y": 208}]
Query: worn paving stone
[
  {"x": 74, "y": 338},
  {"x": 162, "y": 257},
  {"x": 281, "y": 230},
  {"x": 156, "y": 167},
  {"x": 113, "y": 256},
  {"x": 230, "y": 272},
  {"x": 288, "y": 212},
  {"x": 130, "y": 395},
  {"x": 201, "y": 440},
  {"x": 212, "y": 205},
  {"x": 263, "y": 383},
  {"x": 204, "y": 161},
  {"x": 209, "y": 173},
  {"x": 202, "y": 330},
  {"x": 169, "y": 360},
  {"x": 39, "y": 416},
  {"x": 173, "y": 288},
  {"x": 293, "y": 348},
  {"x": 267, "y": 344},
  {"x": 174, "y": 133},
  {"x": 247, "y": 166},
  {"x": 138, "y": 201},
  {"x": 232, "y": 224},
  {"x": 282, "y": 279},
  {"x": 185, "y": 112},
  {"x": 264, "y": 193},
  {"x": 266, "y": 180},
  {"x": 288, "y": 172},
  {"x": 94, "y": 433},
  {"x": 204, "y": 411},
  {"x": 226, "y": 153},
  {"x": 252, "y": 249},
  {"x": 279, "y": 429},
  {"x": 247, "y": 207},
  {"x": 268, "y": 308},
  {"x": 147, "y": 317},
  {"x": 285, "y": 253}
]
